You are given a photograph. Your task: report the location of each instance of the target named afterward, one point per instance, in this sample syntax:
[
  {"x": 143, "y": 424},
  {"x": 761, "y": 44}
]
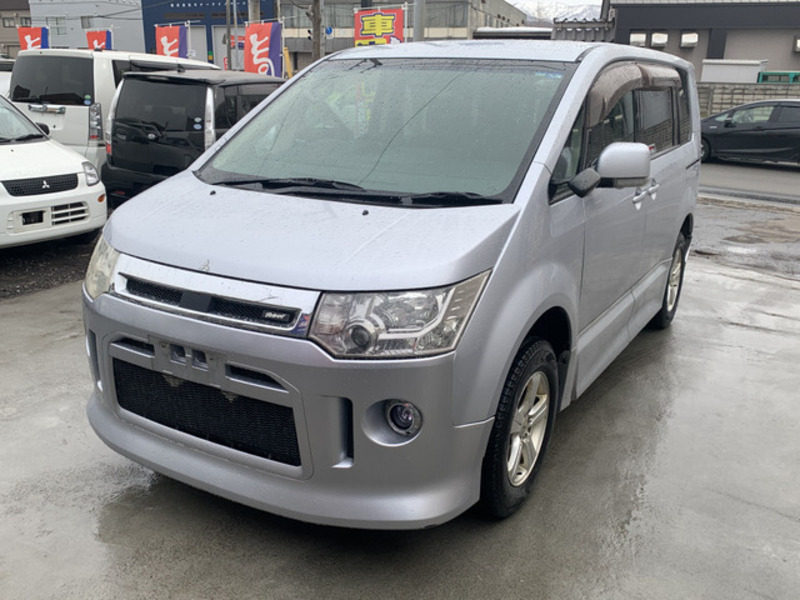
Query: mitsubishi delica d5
[{"x": 366, "y": 303}]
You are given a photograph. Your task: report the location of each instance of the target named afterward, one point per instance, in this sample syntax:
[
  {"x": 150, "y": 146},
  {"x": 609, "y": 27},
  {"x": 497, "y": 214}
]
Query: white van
[
  {"x": 71, "y": 90},
  {"x": 366, "y": 303}
]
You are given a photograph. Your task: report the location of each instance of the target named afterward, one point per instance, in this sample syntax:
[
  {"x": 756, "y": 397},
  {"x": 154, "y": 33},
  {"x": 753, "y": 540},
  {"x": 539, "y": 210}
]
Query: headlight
[
  {"x": 101, "y": 269},
  {"x": 92, "y": 178},
  {"x": 396, "y": 324}
]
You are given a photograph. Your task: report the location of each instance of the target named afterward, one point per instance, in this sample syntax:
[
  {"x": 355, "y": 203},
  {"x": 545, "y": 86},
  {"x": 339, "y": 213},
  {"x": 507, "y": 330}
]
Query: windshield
[
  {"x": 54, "y": 79},
  {"x": 166, "y": 105},
  {"x": 465, "y": 128},
  {"x": 14, "y": 127}
]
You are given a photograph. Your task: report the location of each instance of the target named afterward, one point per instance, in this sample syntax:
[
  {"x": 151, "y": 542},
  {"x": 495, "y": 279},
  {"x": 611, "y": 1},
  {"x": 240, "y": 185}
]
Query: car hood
[
  {"x": 308, "y": 243},
  {"x": 38, "y": 158}
]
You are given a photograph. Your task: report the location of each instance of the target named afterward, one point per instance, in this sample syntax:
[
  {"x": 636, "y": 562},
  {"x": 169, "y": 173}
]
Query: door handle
[{"x": 641, "y": 194}]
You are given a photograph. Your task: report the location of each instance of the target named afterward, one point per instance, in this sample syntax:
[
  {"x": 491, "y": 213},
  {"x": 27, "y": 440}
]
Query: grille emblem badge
[{"x": 45, "y": 185}]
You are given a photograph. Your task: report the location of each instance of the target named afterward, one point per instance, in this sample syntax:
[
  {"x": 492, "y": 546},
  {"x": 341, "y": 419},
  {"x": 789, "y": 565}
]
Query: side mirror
[
  {"x": 729, "y": 122},
  {"x": 45, "y": 129},
  {"x": 584, "y": 182},
  {"x": 624, "y": 164}
]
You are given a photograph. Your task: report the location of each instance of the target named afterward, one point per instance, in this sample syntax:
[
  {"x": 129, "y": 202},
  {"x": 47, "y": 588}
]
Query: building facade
[
  {"x": 696, "y": 30},
  {"x": 68, "y": 22},
  {"x": 13, "y": 14}
]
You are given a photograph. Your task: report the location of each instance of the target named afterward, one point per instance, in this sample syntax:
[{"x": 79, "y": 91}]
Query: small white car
[{"x": 47, "y": 191}]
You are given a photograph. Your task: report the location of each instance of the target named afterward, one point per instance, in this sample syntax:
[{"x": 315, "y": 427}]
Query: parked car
[
  {"x": 760, "y": 131},
  {"x": 71, "y": 90},
  {"x": 365, "y": 305},
  {"x": 161, "y": 122},
  {"x": 6, "y": 65},
  {"x": 48, "y": 191}
]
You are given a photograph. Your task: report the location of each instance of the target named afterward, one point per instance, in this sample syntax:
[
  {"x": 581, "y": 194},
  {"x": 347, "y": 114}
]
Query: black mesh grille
[
  {"x": 213, "y": 305},
  {"x": 159, "y": 293},
  {"x": 245, "y": 424},
  {"x": 41, "y": 185}
]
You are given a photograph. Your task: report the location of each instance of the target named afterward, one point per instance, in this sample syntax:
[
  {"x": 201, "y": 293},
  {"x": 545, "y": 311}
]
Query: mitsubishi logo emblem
[{"x": 45, "y": 185}]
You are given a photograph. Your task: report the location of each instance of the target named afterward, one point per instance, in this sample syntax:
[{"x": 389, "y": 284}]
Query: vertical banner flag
[
  {"x": 32, "y": 38},
  {"x": 263, "y": 49},
  {"x": 379, "y": 26},
  {"x": 171, "y": 40},
  {"x": 99, "y": 39}
]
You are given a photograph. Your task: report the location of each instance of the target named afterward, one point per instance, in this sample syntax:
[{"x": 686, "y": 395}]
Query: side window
[
  {"x": 755, "y": 114},
  {"x": 617, "y": 126},
  {"x": 789, "y": 114},
  {"x": 656, "y": 125},
  {"x": 225, "y": 107}
]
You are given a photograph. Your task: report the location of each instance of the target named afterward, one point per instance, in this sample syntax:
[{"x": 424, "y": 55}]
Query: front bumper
[
  {"x": 353, "y": 470},
  {"x": 30, "y": 219}
]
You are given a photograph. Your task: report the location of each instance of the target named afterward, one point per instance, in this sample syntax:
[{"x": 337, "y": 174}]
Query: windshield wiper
[
  {"x": 28, "y": 136},
  {"x": 4, "y": 140},
  {"x": 277, "y": 184},
  {"x": 351, "y": 191}
]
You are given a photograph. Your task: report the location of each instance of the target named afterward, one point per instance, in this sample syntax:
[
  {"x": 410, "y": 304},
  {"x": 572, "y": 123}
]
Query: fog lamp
[{"x": 403, "y": 417}]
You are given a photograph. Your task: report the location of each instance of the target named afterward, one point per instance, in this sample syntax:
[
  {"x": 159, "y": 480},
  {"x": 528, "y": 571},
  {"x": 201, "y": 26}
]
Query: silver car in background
[{"x": 365, "y": 305}]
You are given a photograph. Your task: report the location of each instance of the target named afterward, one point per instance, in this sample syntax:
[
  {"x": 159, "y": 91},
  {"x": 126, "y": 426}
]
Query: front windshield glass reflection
[{"x": 400, "y": 126}]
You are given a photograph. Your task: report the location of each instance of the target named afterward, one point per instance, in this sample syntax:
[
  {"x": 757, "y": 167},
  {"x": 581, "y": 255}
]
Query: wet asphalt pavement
[{"x": 677, "y": 475}]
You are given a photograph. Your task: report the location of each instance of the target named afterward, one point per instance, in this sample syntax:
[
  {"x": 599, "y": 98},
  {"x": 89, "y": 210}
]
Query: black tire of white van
[
  {"x": 669, "y": 304},
  {"x": 502, "y": 491}
]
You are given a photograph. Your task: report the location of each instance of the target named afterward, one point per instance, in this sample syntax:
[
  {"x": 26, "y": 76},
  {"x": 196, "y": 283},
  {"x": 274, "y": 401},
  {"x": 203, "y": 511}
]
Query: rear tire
[
  {"x": 521, "y": 431},
  {"x": 672, "y": 292}
]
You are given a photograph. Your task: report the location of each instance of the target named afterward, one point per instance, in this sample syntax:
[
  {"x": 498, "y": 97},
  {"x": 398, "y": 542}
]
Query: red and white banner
[
  {"x": 263, "y": 49},
  {"x": 171, "y": 40},
  {"x": 99, "y": 40},
  {"x": 32, "y": 38}
]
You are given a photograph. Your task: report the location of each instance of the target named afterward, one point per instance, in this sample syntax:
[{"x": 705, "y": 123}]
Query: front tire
[
  {"x": 672, "y": 293},
  {"x": 705, "y": 151},
  {"x": 521, "y": 431}
]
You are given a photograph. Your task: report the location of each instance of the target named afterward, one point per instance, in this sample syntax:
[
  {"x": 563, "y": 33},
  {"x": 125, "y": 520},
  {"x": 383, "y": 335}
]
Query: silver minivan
[{"x": 365, "y": 304}]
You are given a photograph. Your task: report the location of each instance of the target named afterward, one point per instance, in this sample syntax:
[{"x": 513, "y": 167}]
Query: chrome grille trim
[{"x": 230, "y": 302}]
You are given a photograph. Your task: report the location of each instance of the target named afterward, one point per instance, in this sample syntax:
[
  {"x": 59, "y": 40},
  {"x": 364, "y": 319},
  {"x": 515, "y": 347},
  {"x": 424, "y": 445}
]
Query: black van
[{"x": 162, "y": 121}]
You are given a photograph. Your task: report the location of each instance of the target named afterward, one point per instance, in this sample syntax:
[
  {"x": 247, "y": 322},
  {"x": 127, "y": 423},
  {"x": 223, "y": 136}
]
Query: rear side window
[
  {"x": 165, "y": 105},
  {"x": 56, "y": 79},
  {"x": 789, "y": 114},
  {"x": 235, "y": 101},
  {"x": 656, "y": 126}
]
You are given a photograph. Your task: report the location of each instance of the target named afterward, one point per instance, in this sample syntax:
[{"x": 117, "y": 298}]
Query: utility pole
[
  {"x": 317, "y": 33},
  {"x": 419, "y": 20},
  {"x": 228, "y": 33},
  {"x": 253, "y": 11}
]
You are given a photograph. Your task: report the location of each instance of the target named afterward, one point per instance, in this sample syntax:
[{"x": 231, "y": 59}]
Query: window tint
[
  {"x": 120, "y": 67},
  {"x": 617, "y": 126},
  {"x": 57, "y": 79},
  {"x": 225, "y": 107},
  {"x": 163, "y": 105},
  {"x": 656, "y": 127},
  {"x": 789, "y": 114},
  {"x": 251, "y": 94}
]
